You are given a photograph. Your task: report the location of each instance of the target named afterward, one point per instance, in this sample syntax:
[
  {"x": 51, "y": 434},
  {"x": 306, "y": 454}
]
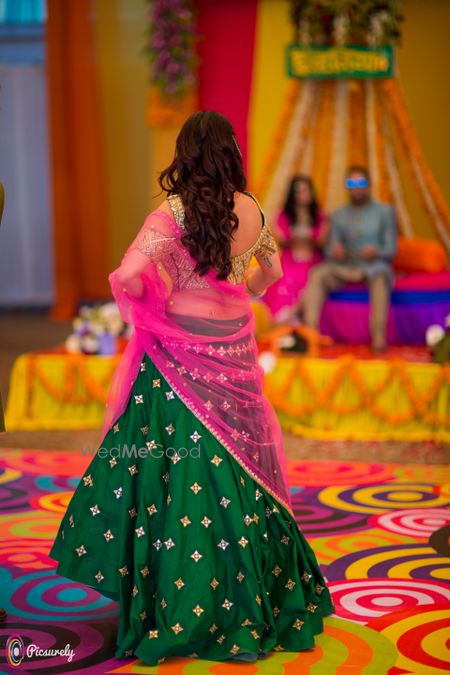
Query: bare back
[{"x": 250, "y": 224}]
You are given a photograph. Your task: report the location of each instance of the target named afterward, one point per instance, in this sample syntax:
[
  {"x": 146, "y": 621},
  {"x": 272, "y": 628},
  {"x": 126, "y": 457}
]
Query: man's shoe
[{"x": 2, "y": 614}]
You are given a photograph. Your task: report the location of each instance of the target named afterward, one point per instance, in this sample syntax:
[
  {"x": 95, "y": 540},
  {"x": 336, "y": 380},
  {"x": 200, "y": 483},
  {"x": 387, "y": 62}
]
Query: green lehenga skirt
[{"x": 202, "y": 559}]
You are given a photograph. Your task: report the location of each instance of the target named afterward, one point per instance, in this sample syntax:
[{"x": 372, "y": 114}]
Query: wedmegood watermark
[{"x": 151, "y": 449}]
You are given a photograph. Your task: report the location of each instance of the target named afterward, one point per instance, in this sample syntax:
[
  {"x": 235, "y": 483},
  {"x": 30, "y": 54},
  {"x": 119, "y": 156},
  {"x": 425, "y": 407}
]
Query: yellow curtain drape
[{"x": 78, "y": 192}]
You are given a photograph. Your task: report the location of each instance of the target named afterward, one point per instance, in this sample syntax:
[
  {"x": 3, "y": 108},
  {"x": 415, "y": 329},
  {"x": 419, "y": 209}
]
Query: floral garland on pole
[
  {"x": 428, "y": 190},
  {"x": 393, "y": 173},
  {"x": 357, "y": 151},
  {"x": 172, "y": 52},
  {"x": 291, "y": 149},
  {"x": 324, "y": 127},
  {"x": 335, "y": 175},
  {"x": 277, "y": 142}
]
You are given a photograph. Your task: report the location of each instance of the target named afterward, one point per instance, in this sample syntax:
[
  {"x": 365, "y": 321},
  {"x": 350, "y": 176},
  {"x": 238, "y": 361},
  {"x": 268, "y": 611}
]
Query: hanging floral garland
[
  {"x": 278, "y": 140},
  {"x": 340, "y": 22},
  {"x": 172, "y": 52},
  {"x": 322, "y": 156},
  {"x": 357, "y": 134},
  {"x": 425, "y": 184},
  {"x": 419, "y": 405},
  {"x": 384, "y": 181}
]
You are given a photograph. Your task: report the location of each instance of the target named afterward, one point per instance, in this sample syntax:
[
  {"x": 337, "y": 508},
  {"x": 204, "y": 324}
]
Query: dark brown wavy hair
[
  {"x": 206, "y": 172},
  {"x": 290, "y": 205}
]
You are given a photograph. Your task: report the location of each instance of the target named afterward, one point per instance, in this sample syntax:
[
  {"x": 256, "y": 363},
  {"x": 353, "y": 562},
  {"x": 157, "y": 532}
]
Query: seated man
[{"x": 361, "y": 244}]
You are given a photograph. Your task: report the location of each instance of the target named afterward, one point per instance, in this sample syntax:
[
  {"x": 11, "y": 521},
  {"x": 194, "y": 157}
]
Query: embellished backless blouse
[{"x": 264, "y": 245}]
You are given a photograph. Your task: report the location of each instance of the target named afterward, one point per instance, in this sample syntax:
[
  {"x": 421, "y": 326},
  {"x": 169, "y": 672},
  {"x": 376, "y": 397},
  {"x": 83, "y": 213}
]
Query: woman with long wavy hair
[
  {"x": 301, "y": 230},
  {"x": 184, "y": 515}
]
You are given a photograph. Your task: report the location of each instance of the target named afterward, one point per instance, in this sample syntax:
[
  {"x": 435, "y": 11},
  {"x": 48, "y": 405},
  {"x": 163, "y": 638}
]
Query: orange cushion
[{"x": 420, "y": 255}]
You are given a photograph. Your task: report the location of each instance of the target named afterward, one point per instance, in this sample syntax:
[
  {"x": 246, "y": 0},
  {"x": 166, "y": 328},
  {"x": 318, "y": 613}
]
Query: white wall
[{"x": 26, "y": 275}]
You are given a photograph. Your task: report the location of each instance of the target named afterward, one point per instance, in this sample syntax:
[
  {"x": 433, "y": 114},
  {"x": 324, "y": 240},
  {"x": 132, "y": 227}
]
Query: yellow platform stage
[
  {"x": 58, "y": 391},
  {"x": 326, "y": 398},
  {"x": 357, "y": 399}
]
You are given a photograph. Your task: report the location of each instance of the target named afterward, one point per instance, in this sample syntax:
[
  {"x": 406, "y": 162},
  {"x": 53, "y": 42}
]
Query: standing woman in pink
[
  {"x": 301, "y": 231},
  {"x": 184, "y": 515}
]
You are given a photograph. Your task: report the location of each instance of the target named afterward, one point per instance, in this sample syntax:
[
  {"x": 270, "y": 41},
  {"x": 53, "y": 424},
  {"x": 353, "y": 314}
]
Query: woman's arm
[
  {"x": 269, "y": 268},
  {"x": 153, "y": 241},
  {"x": 268, "y": 272},
  {"x": 322, "y": 231},
  {"x": 128, "y": 274}
]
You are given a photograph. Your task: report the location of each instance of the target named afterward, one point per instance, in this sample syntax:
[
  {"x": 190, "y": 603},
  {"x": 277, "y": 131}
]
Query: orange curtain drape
[{"x": 78, "y": 190}]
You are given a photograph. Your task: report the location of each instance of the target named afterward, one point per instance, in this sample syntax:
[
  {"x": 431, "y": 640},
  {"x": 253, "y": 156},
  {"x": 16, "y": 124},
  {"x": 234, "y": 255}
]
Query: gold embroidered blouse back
[{"x": 264, "y": 245}]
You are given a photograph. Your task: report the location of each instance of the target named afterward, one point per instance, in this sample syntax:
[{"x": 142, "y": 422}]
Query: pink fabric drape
[{"x": 199, "y": 333}]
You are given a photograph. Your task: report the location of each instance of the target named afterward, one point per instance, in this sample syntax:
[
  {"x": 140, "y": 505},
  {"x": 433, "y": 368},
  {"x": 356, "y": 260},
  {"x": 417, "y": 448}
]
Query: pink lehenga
[
  {"x": 204, "y": 555},
  {"x": 286, "y": 292}
]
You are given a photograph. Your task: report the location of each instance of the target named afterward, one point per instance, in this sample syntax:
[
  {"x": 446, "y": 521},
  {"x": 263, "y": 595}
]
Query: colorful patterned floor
[{"x": 381, "y": 532}]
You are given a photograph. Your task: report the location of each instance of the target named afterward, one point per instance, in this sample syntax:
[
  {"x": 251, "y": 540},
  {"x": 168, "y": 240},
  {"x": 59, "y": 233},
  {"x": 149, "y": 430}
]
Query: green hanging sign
[{"x": 345, "y": 62}]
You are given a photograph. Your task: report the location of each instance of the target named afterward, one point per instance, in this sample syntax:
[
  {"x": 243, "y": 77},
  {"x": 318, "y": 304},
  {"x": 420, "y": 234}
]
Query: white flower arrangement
[
  {"x": 434, "y": 335},
  {"x": 267, "y": 361},
  {"x": 377, "y": 27},
  {"x": 437, "y": 339},
  {"x": 96, "y": 329},
  {"x": 341, "y": 26}
]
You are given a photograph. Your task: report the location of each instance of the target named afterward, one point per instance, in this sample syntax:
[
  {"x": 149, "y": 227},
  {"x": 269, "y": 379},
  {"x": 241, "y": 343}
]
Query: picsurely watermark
[
  {"x": 151, "y": 449},
  {"x": 16, "y": 651}
]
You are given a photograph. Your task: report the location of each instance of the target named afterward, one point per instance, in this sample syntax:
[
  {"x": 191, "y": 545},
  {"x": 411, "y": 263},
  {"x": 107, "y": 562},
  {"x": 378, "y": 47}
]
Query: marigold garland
[
  {"x": 395, "y": 181},
  {"x": 76, "y": 375},
  {"x": 357, "y": 137},
  {"x": 75, "y": 371},
  {"x": 335, "y": 190},
  {"x": 413, "y": 151},
  {"x": 385, "y": 192},
  {"x": 278, "y": 139},
  {"x": 305, "y": 160},
  {"x": 325, "y": 114},
  {"x": 347, "y": 368},
  {"x": 291, "y": 148}
]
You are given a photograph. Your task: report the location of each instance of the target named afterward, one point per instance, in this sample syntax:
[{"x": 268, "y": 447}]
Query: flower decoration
[
  {"x": 96, "y": 329},
  {"x": 434, "y": 335},
  {"x": 267, "y": 360},
  {"x": 426, "y": 186},
  {"x": 171, "y": 47},
  {"x": 341, "y": 25},
  {"x": 438, "y": 341},
  {"x": 341, "y": 22}
]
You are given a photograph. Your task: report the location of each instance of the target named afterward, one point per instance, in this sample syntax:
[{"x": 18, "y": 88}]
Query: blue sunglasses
[{"x": 352, "y": 183}]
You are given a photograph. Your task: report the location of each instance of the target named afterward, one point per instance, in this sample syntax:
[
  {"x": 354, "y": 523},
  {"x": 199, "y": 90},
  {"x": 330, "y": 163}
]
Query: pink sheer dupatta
[{"x": 199, "y": 332}]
